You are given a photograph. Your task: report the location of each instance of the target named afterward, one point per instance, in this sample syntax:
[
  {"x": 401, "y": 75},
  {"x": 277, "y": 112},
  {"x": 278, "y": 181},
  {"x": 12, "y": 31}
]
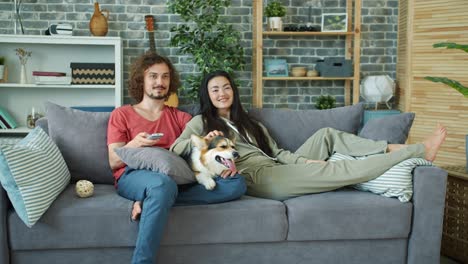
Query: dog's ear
[{"x": 198, "y": 142}]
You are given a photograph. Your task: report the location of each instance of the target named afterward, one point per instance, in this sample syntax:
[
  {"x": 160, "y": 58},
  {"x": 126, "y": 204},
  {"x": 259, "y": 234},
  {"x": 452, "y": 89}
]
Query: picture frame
[
  {"x": 334, "y": 22},
  {"x": 276, "y": 68}
]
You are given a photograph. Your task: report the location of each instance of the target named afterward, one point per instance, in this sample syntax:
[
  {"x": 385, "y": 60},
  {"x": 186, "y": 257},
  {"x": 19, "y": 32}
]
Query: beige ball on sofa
[{"x": 84, "y": 188}]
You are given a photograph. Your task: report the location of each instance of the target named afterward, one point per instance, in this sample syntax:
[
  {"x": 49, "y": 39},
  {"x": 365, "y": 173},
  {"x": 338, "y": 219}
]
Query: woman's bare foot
[
  {"x": 434, "y": 141},
  {"x": 136, "y": 210}
]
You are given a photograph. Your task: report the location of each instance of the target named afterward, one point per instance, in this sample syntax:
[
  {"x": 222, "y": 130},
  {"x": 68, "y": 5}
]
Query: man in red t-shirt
[{"x": 152, "y": 79}]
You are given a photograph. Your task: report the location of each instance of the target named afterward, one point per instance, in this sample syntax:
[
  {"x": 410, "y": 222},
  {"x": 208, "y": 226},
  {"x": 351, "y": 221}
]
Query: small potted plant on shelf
[
  {"x": 274, "y": 11},
  {"x": 325, "y": 102}
]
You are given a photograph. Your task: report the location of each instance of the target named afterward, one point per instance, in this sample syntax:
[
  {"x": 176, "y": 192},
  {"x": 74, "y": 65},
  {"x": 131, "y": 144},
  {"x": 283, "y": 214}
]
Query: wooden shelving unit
[
  {"x": 352, "y": 46},
  {"x": 55, "y": 54}
]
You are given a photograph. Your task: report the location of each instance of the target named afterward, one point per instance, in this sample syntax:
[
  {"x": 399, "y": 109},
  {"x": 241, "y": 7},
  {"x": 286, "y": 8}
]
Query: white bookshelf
[{"x": 55, "y": 53}]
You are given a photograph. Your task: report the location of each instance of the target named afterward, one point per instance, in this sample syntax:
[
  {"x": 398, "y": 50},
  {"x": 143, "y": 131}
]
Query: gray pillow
[
  {"x": 291, "y": 128},
  {"x": 157, "y": 159},
  {"x": 393, "y": 128},
  {"x": 82, "y": 139}
]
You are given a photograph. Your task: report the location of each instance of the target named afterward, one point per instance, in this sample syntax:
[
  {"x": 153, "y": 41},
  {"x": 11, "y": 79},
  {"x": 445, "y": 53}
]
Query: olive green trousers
[{"x": 282, "y": 181}]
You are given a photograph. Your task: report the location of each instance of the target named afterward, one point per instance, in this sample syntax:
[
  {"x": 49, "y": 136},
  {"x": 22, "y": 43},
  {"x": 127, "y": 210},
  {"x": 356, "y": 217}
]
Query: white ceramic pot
[
  {"x": 23, "y": 76},
  {"x": 275, "y": 24}
]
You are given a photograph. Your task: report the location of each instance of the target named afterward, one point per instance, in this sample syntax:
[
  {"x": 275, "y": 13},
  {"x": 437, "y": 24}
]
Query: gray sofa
[{"x": 343, "y": 226}]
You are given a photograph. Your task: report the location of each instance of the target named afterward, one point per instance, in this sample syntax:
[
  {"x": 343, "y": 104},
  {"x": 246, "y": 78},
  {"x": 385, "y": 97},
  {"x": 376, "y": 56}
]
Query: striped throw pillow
[
  {"x": 395, "y": 182},
  {"x": 33, "y": 173}
]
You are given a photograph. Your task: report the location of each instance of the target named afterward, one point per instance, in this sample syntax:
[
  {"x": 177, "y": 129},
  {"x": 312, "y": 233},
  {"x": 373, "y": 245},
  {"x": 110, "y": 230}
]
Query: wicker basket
[{"x": 455, "y": 232}]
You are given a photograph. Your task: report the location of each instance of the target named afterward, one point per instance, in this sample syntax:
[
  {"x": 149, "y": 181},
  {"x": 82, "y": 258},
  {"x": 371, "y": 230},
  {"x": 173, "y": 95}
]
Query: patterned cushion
[
  {"x": 33, "y": 173},
  {"x": 396, "y": 182}
]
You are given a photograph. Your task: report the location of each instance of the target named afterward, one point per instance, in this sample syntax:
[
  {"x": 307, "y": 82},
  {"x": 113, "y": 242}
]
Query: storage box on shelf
[
  {"x": 352, "y": 51},
  {"x": 55, "y": 54}
]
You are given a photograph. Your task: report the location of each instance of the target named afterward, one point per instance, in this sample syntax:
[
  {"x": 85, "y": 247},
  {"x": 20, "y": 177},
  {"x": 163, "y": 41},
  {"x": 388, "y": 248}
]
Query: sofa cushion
[
  {"x": 82, "y": 138},
  {"x": 393, "y": 128},
  {"x": 157, "y": 159},
  {"x": 103, "y": 221},
  {"x": 347, "y": 214},
  {"x": 291, "y": 129},
  {"x": 33, "y": 173}
]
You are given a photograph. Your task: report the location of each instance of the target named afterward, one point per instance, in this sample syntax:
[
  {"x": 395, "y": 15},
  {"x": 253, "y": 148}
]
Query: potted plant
[
  {"x": 274, "y": 11},
  {"x": 212, "y": 44},
  {"x": 2, "y": 67},
  {"x": 325, "y": 102}
]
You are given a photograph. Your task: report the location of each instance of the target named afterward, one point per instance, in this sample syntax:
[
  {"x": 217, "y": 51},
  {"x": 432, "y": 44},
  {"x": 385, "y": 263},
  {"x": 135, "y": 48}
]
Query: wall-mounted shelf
[
  {"x": 295, "y": 33},
  {"x": 306, "y": 78},
  {"x": 352, "y": 51}
]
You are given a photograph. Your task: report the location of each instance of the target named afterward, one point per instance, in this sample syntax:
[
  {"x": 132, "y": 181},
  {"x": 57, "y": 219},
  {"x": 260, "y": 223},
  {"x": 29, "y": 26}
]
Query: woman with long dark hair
[{"x": 279, "y": 174}]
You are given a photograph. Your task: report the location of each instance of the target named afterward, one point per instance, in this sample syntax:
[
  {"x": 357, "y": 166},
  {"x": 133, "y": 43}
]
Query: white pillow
[
  {"x": 33, "y": 173},
  {"x": 396, "y": 182}
]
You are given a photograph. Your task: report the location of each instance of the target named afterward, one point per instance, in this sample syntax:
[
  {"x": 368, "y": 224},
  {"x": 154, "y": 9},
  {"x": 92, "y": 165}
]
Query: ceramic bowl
[{"x": 298, "y": 71}]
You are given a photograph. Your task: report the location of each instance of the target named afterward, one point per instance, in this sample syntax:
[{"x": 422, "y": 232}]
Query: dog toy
[{"x": 84, "y": 188}]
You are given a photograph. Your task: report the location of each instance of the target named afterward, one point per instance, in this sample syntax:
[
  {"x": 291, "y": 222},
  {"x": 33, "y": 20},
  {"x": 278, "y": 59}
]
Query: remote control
[{"x": 155, "y": 136}]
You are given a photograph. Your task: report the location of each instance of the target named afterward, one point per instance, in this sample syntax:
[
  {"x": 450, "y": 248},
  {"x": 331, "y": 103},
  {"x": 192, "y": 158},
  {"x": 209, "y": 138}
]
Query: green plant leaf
[
  {"x": 454, "y": 84},
  {"x": 212, "y": 44},
  {"x": 451, "y": 45}
]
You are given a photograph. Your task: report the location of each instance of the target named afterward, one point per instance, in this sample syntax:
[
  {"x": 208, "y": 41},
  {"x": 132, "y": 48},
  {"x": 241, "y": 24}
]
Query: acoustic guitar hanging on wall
[{"x": 173, "y": 100}]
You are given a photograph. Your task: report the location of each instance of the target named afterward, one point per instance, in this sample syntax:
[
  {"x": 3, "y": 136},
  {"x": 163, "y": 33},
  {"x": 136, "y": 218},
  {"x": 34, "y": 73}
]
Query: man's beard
[{"x": 157, "y": 97}]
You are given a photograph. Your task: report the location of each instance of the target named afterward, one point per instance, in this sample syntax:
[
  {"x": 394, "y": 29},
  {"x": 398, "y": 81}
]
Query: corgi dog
[{"x": 209, "y": 158}]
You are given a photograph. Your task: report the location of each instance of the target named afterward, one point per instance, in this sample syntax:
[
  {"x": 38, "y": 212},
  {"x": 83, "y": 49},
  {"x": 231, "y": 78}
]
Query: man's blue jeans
[{"x": 158, "y": 193}]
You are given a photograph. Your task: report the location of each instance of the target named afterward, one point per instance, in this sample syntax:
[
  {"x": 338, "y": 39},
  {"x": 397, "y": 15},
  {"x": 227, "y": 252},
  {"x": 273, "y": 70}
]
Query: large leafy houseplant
[
  {"x": 212, "y": 44},
  {"x": 452, "y": 83}
]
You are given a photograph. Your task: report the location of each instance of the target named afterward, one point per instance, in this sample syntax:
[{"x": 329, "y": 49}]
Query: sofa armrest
[
  {"x": 428, "y": 212},
  {"x": 4, "y": 251}
]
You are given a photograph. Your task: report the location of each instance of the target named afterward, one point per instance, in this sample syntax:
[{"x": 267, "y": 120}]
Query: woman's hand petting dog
[
  {"x": 213, "y": 134},
  {"x": 141, "y": 140}
]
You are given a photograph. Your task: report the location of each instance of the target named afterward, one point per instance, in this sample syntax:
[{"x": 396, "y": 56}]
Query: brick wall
[{"x": 378, "y": 53}]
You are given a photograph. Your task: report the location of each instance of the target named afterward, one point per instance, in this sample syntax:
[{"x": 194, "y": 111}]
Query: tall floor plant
[
  {"x": 452, "y": 83},
  {"x": 213, "y": 45}
]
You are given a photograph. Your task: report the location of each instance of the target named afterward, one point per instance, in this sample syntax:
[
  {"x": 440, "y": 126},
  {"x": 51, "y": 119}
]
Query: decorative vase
[
  {"x": 23, "y": 76},
  {"x": 275, "y": 24},
  {"x": 98, "y": 23}
]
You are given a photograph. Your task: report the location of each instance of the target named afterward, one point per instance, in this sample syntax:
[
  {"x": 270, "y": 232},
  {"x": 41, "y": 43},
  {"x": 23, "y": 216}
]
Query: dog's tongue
[{"x": 230, "y": 164}]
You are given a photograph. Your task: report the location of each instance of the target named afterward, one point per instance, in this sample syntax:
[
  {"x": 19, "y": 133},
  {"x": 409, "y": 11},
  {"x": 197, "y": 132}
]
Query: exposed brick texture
[{"x": 378, "y": 53}]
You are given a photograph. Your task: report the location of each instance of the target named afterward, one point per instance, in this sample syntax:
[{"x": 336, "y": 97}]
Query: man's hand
[{"x": 141, "y": 140}]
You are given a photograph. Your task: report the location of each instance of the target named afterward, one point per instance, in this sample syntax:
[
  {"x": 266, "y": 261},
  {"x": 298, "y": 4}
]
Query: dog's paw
[{"x": 209, "y": 184}]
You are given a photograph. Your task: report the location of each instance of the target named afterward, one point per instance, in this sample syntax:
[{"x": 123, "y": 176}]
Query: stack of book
[
  {"x": 6, "y": 120},
  {"x": 45, "y": 77}
]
